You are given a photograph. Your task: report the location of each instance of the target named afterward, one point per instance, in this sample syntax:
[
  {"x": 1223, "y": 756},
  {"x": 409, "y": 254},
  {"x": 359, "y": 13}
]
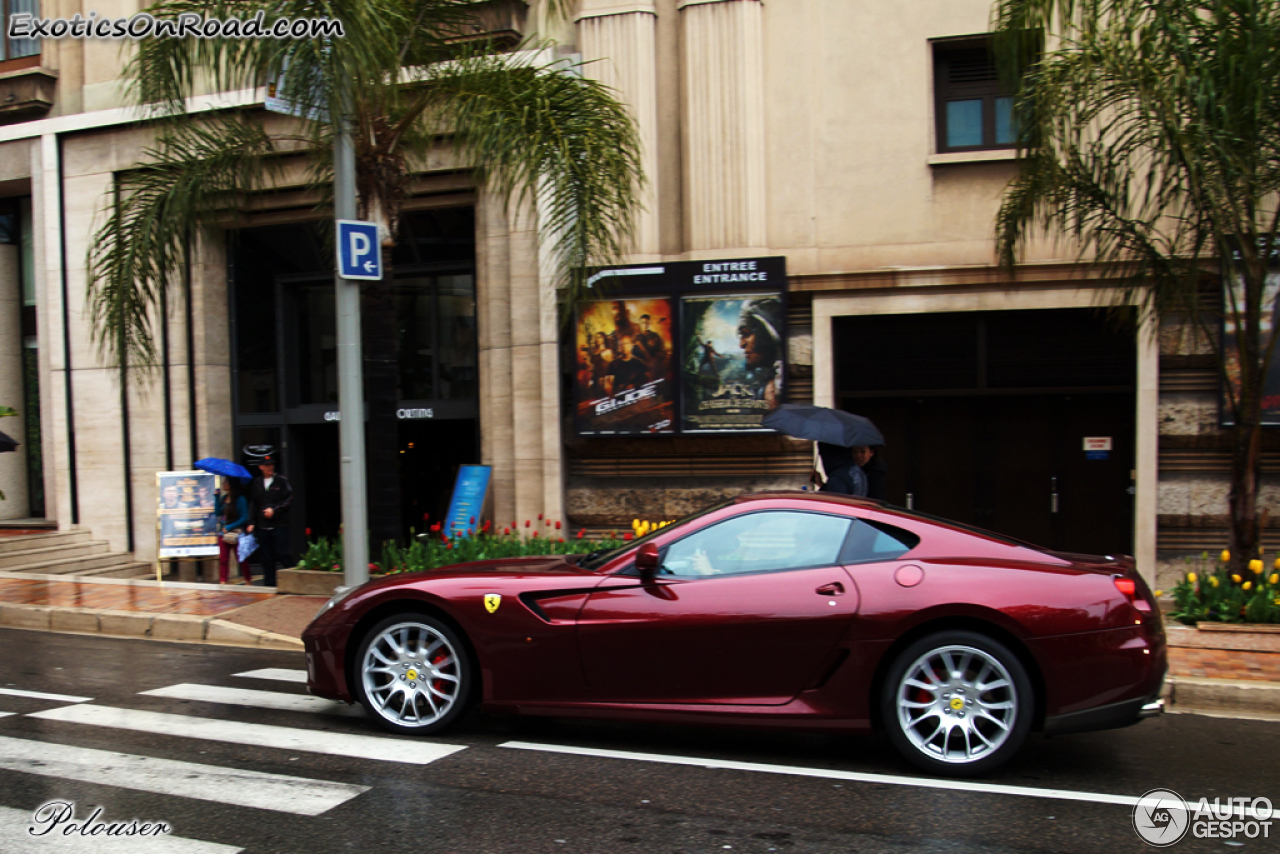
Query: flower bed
[{"x": 1213, "y": 594}]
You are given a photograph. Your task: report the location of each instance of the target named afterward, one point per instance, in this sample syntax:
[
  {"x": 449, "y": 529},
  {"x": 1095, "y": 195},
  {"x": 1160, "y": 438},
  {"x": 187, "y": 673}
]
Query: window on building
[
  {"x": 14, "y": 48},
  {"x": 972, "y": 110}
]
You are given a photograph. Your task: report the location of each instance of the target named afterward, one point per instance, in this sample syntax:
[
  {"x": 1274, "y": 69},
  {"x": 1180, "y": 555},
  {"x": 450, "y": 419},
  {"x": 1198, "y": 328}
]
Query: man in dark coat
[
  {"x": 269, "y": 498},
  {"x": 843, "y": 474}
]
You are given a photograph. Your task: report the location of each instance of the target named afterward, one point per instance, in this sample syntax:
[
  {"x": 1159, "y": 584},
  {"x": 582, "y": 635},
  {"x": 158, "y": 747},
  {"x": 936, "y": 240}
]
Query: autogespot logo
[{"x": 1161, "y": 817}]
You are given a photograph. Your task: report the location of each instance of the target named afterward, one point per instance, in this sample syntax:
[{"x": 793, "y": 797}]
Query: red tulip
[
  {"x": 448, "y": 546},
  {"x": 627, "y": 535},
  {"x": 539, "y": 515},
  {"x": 506, "y": 532},
  {"x": 562, "y": 539},
  {"x": 526, "y": 523},
  {"x": 426, "y": 516},
  {"x": 535, "y": 535},
  {"x": 581, "y": 532},
  {"x": 373, "y": 567},
  {"x": 557, "y": 524},
  {"x": 308, "y": 532},
  {"x": 473, "y": 521}
]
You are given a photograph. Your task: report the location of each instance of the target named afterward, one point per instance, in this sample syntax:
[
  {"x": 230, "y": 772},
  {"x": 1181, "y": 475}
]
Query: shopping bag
[{"x": 248, "y": 545}]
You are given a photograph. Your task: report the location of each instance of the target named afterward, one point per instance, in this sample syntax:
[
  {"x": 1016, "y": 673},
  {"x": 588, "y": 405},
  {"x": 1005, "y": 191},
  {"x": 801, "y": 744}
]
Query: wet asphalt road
[{"x": 493, "y": 797}]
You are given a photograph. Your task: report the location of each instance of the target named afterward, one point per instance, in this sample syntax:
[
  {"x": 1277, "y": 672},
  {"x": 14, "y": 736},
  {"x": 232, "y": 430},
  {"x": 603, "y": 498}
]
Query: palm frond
[{"x": 194, "y": 171}]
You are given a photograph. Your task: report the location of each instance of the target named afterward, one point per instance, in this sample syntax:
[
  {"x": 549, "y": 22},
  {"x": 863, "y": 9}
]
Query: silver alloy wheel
[
  {"x": 957, "y": 704},
  {"x": 411, "y": 674}
]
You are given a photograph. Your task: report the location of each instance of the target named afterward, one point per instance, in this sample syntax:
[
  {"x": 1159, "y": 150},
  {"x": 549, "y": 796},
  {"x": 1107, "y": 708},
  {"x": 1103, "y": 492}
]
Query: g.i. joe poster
[
  {"x": 733, "y": 362},
  {"x": 624, "y": 372}
]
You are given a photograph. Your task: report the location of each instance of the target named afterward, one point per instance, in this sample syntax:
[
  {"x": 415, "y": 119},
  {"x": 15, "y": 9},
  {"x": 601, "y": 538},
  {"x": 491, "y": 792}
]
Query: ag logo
[
  {"x": 492, "y": 601},
  {"x": 1161, "y": 817}
]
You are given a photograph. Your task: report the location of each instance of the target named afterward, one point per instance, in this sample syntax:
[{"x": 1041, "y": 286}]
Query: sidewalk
[
  {"x": 236, "y": 615},
  {"x": 160, "y": 610}
]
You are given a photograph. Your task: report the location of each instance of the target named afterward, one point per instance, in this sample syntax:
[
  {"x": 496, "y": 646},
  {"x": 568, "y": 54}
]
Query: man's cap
[{"x": 267, "y": 461}]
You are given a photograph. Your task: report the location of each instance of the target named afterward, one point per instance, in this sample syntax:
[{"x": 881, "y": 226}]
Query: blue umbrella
[
  {"x": 820, "y": 424},
  {"x": 226, "y": 468}
]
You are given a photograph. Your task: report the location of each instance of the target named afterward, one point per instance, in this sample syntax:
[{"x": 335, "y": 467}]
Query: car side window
[
  {"x": 759, "y": 542},
  {"x": 876, "y": 541}
]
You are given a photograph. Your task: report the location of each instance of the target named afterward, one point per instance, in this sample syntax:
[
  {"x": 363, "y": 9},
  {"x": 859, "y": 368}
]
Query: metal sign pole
[{"x": 355, "y": 512}]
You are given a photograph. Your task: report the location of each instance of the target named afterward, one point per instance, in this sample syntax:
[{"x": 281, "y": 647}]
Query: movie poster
[
  {"x": 188, "y": 526},
  {"x": 1270, "y": 323},
  {"x": 733, "y": 361},
  {"x": 624, "y": 373}
]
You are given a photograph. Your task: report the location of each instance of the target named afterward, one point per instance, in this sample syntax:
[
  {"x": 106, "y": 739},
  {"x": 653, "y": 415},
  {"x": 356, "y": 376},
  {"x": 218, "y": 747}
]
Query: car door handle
[{"x": 835, "y": 588}]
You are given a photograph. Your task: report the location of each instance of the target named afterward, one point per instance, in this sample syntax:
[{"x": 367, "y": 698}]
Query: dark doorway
[
  {"x": 986, "y": 416},
  {"x": 430, "y": 453}
]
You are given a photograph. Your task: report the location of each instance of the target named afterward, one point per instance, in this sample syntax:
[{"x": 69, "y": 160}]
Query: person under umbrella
[
  {"x": 868, "y": 459},
  {"x": 844, "y": 475}
]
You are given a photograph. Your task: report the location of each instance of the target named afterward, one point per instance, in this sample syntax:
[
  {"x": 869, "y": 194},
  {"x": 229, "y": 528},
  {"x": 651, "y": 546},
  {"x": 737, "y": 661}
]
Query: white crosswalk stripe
[
  {"x": 256, "y": 699},
  {"x": 40, "y": 695},
  {"x": 278, "y": 792},
  {"x": 279, "y": 674},
  {"x": 15, "y": 824},
  {"x": 380, "y": 748}
]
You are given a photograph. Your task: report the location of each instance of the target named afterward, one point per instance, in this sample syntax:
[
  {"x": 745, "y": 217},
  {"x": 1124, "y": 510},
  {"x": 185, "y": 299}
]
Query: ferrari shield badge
[{"x": 492, "y": 601}]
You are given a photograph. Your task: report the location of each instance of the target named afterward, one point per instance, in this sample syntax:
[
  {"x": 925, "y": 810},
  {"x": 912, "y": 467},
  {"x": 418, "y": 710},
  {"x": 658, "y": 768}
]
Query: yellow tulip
[
  {"x": 1275, "y": 578},
  {"x": 1248, "y": 584},
  {"x": 1277, "y": 563},
  {"x": 1235, "y": 578},
  {"x": 1256, "y": 566},
  {"x": 1225, "y": 556},
  {"x": 1191, "y": 576},
  {"x": 1213, "y": 579},
  {"x": 1159, "y": 593}
]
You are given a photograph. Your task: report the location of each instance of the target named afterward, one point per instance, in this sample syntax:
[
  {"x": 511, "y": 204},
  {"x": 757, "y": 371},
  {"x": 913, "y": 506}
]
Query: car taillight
[{"x": 1129, "y": 588}]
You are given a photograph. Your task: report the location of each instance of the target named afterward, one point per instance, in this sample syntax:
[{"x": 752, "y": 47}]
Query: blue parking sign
[{"x": 359, "y": 251}]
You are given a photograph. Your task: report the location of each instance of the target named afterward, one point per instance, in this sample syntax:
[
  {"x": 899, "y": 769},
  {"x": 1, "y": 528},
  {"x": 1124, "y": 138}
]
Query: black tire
[
  {"x": 413, "y": 674},
  {"x": 957, "y": 703}
]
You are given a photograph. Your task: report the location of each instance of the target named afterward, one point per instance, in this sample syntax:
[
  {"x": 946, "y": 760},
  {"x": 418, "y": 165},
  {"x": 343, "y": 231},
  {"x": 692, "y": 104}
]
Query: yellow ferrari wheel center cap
[
  {"x": 412, "y": 674},
  {"x": 957, "y": 703}
]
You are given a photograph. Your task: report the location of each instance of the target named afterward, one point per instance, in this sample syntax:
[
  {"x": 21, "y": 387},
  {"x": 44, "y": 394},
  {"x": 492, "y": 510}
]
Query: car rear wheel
[
  {"x": 957, "y": 703},
  {"x": 413, "y": 674}
]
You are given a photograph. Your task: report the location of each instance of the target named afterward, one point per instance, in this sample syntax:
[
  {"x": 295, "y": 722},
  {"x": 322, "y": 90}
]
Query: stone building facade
[{"x": 860, "y": 142}]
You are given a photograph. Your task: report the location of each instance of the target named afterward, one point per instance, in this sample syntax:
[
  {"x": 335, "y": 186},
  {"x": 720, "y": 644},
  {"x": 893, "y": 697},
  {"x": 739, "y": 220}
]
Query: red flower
[
  {"x": 535, "y": 535},
  {"x": 426, "y": 516},
  {"x": 448, "y": 546},
  {"x": 435, "y": 527},
  {"x": 473, "y": 521},
  {"x": 562, "y": 539},
  {"x": 627, "y": 535},
  {"x": 308, "y": 532},
  {"x": 539, "y": 515},
  {"x": 526, "y": 523},
  {"x": 373, "y": 567},
  {"x": 581, "y": 532},
  {"x": 506, "y": 532},
  {"x": 557, "y": 524}
]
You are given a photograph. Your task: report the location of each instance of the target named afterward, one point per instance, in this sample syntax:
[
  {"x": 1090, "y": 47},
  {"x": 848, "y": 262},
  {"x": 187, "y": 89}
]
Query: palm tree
[
  {"x": 1151, "y": 136},
  {"x": 535, "y": 130}
]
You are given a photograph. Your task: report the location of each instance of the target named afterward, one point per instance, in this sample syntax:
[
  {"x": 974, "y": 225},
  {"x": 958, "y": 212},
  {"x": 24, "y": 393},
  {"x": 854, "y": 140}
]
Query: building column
[
  {"x": 519, "y": 373},
  {"x": 617, "y": 40},
  {"x": 724, "y": 125},
  {"x": 13, "y": 466}
]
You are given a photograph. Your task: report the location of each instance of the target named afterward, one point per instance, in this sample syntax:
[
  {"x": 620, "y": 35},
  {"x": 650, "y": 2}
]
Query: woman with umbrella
[{"x": 231, "y": 509}]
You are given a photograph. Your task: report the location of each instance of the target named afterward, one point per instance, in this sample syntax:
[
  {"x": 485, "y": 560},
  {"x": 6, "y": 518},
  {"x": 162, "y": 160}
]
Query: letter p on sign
[{"x": 359, "y": 253}]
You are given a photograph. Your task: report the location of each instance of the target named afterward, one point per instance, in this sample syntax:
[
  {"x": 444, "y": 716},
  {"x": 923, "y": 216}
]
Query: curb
[
  {"x": 128, "y": 624},
  {"x": 1197, "y": 694}
]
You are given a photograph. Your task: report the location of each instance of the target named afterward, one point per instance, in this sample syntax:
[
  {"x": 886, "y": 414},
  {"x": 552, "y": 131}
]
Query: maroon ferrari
[{"x": 775, "y": 609}]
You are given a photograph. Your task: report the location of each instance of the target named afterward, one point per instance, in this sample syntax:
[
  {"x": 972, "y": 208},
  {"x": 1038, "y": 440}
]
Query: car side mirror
[{"x": 647, "y": 560}]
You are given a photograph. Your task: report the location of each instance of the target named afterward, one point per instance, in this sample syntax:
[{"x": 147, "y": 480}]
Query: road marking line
[
  {"x": 831, "y": 774},
  {"x": 14, "y": 825},
  {"x": 37, "y": 695},
  {"x": 257, "y": 699},
  {"x": 6, "y": 714},
  {"x": 279, "y": 792},
  {"x": 279, "y": 674},
  {"x": 413, "y": 752}
]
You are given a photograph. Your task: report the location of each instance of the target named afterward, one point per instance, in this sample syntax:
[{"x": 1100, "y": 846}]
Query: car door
[{"x": 746, "y": 610}]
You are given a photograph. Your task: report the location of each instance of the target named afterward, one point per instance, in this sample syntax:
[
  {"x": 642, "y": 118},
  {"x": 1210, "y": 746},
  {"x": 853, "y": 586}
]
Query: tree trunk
[{"x": 381, "y": 390}]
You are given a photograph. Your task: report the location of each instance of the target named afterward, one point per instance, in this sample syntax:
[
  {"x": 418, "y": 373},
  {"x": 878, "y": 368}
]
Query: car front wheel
[
  {"x": 957, "y": 703},
  {"x": 413, "y": 674}
]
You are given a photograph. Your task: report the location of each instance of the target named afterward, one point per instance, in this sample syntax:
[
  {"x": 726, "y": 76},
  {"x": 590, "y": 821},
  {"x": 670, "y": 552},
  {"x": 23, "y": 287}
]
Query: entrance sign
[
  {"x": 469, "y": 492},
  {"x": 185, "y": 518},
  {"x": 359, "y": 250}
]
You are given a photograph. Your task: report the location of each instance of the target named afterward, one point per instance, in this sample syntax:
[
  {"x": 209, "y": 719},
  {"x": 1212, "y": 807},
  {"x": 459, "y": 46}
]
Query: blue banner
[{"x": 469, "y": 491}]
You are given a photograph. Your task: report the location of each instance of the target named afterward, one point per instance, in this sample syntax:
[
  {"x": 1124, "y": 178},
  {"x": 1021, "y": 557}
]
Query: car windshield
[{"x": 598, "y": 559}]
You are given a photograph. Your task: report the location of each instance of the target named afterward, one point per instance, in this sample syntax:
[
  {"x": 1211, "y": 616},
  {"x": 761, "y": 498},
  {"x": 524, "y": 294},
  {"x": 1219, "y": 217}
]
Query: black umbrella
[
  {"x": 820, "y": 424},
  {"x": 7, "y": 443}
]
